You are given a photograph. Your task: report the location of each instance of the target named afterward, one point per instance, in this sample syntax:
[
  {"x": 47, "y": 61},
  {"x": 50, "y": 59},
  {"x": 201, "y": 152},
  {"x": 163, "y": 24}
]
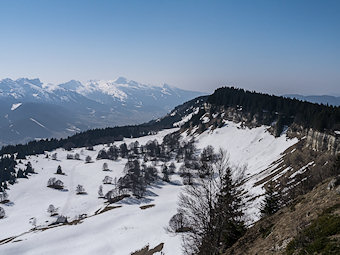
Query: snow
[
  {"x": 205, "y": 119},
  {"x": 118, "y": 231},
  {"x": 254, "y": 148},
  {"x": 186, "y": 118},
  {"x": 301, "y": 170},
  {"x": 37, "y": 122},
  {"x": 15, "y": 106},
  {"x": 128, "y": 228},
  {"x": 109, "y": 88},
  {"x": 173, "y": 113}
]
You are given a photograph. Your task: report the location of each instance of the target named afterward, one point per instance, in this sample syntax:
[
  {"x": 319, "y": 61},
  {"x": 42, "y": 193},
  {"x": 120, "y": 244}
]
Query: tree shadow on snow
[{"x": 135, "y": 201}]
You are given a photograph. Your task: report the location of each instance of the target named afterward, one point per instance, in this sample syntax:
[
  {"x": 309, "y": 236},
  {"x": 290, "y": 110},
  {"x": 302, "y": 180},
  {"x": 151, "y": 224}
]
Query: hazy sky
[{"x": 272, "y": 46}]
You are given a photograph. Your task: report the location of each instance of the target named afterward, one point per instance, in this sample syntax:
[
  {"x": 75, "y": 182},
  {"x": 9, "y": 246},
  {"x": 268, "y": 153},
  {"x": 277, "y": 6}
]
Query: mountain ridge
[
  {"x": 80, "y": 106},
  {"x": 319, "y": 99}
]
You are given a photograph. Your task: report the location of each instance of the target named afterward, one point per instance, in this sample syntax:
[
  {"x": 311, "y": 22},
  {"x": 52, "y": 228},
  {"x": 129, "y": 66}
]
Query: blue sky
[{"x": 266, "y": 45}]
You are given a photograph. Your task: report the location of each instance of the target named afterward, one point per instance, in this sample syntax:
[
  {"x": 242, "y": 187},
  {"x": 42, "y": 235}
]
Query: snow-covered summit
[{"x": 80, "y": 105}]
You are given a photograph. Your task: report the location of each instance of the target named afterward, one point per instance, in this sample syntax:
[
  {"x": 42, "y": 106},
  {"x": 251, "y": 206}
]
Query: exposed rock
[
  {"x": 338, "y": 190},
  {"x": 147, "y": 251},
  {"x": 61, "y": 220},
  {"x": 334, "y": 183},
  {"x": 323, "y": 142}
]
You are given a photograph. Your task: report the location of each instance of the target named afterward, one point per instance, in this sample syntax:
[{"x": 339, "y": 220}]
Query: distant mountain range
[
  {"x": 30, "y": 109},
  {"x": 324, "y": 99}
]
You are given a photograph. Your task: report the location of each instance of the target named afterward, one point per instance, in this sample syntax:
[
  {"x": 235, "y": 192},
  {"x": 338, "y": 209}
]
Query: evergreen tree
[
  {"x": 59, "y": 171},
  {"x": 21, "y": 174},
  {"x": 123, "y": 150},
  {"x": 29, "y": 169},
  {"x": 213, "y": 209},
  {"x": 166, "y": 174},
  {"x": 271, "y": 202},
  {"x": 102, "y": 154}
]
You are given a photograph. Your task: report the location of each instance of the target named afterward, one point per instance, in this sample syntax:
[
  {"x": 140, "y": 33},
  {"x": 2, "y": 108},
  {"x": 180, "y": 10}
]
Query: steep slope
[
  {"x": 294, "y": 158},
  {"x": 310, "y": 225},
  {"x": 130, "y": 227}
]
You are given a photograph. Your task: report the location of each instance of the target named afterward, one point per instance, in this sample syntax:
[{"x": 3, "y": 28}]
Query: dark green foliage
[
  {"x": 134, "y": 179},
  {"x": 21, "y": 174},
  {"x": 100, "y": 136},
  {"x": 7, "y": 171},
  {"x": 166, "y": 173},
  {"x": 29, "y": 169},
  {"x": 271, "y": 203},
  {"x": 285, "y": 111},
  {"x": 59, "y": 171},
  {"x": 266, "y": 231},
  {"x": 317, "y": 238}
]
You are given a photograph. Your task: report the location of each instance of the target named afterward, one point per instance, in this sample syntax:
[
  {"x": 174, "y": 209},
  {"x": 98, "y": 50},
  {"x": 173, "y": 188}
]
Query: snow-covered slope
[
  {"x": 127, "y": 228},
  {"x": 79, "y": 106}
]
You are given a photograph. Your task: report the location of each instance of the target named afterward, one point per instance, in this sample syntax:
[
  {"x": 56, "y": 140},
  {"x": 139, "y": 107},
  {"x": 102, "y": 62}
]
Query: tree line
[{"x": 269, "y": 108}]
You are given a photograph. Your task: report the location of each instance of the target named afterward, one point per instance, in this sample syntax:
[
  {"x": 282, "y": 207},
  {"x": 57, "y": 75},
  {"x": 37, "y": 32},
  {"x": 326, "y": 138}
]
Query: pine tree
[
  {"x": 29, "y": 168},
  {"x": 59, "y": 171},
  {"x": 172, "y": 168},
  {"x": 271, "y": 202},
  {"x": 213, "y": 208},
  {"x": 165, "y": 172}
]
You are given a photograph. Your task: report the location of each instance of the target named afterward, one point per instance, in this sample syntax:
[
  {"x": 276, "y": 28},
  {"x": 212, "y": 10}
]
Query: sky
[{"x": 270, "y": 46}]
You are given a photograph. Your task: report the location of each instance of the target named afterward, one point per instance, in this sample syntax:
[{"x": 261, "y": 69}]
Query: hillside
[
  {"x": 132, "y": 223},
  {"x": 310, "y": 225},
  {"x": 273, "y": 144}
]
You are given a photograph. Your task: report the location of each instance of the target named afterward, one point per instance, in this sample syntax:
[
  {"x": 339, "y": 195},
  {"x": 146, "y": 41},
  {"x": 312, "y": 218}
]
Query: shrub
[{"x": 2, "y": 213}]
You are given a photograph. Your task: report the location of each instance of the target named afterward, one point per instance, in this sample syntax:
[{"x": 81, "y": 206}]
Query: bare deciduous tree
[
  {"x": 213, "y": 208},
  {"x": 80, "y": 190},
  {"x": 2, "y": 213},
  {"x": 51, "y": 209}
]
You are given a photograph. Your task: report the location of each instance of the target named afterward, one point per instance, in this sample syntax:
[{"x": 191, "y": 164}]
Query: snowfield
[{"x": 127, "y": 228}]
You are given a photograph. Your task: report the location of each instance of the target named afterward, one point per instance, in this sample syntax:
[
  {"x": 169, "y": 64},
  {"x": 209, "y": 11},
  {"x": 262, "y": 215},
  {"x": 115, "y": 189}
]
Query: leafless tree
[
  {"x": 212, "y": 207},
  {"x": 2, "y": 213},
  {"x": 100, "y": 191},
  {"x": 51, "y": 209},
  {"x": 80, "y": 190}
]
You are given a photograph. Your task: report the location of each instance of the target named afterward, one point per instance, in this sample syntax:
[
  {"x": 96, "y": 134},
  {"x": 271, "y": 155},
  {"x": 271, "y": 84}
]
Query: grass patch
[
  {"x": 108, "y": 208},
  {"x": 266, "y": 230},
  {"x": 143, "y": 207},
  {"x": 318, "y": 238}
]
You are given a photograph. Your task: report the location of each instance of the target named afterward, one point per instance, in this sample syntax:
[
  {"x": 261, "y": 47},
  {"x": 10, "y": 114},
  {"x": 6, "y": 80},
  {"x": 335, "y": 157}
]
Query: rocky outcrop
[
  {"x": 323, "y": 142},
  {"x": 316, "y": 140}
]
